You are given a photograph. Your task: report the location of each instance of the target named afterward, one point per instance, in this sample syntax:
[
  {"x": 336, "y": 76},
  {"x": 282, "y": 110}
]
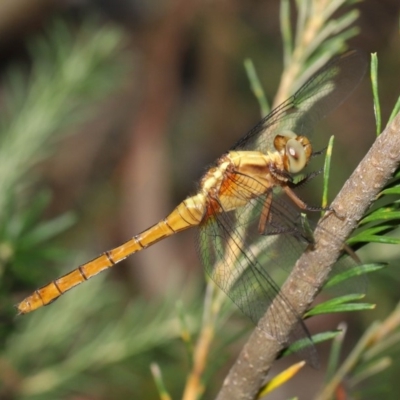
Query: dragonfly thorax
[
  {"x": 240, "y": 176},
  {"x": 296, "y": 150}
]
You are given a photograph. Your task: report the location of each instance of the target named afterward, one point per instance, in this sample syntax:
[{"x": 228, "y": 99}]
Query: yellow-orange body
[{"x": 221, "y": 190}]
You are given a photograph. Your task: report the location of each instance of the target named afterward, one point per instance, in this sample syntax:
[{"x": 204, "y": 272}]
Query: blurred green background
[{"x": 110, "y": 112}]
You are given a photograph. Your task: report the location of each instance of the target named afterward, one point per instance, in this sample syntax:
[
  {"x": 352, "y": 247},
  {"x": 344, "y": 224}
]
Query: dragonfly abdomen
[{"x": 187, "y": 214}]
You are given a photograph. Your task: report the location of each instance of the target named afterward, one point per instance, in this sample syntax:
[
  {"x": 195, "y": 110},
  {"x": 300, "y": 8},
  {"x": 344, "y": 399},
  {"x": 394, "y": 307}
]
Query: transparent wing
[
  {"x": 247, "y": 264},
  {"x": 327, "y": 89},
  {"x": 241, "y": 261}
]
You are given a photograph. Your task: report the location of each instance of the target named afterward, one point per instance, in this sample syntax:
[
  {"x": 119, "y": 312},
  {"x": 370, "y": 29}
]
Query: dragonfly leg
[
  {"x": 331, "y": 210},
  {"x": 305, "y": 180},
  {"x": 280, "y": 174},
  {"x": 300, "y": 203},
  {"x": 319, "y": 152},
  {"x": 265, "y": 216}
]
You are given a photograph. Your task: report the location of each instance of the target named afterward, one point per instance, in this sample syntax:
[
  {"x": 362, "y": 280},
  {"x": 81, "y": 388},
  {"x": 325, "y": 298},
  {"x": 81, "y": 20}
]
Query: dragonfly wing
[
  {"x": 235, "y": 261},
  {"x": 325, "y": 91}
]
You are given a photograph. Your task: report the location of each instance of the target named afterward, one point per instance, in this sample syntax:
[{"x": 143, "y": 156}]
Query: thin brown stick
[
  {"x": 311, "y": 270},
  {"x": 194, "y": 386}
]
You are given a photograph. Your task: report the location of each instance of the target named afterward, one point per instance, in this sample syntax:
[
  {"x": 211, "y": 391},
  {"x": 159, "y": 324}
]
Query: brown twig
[
  {"x": 311, "y": 270},
  {"x": 194, "y": 386}
]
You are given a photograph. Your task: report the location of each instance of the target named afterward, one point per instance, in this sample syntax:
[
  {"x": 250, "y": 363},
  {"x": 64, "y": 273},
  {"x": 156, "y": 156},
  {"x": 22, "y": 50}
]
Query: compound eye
[
  {"x": 296, "y": 156},
  {"x": 281, "y": 139}
]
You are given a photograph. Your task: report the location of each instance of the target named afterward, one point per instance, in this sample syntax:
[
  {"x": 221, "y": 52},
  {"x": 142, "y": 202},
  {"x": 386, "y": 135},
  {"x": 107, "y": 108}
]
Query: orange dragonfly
[{"x": 244, "y": 225}]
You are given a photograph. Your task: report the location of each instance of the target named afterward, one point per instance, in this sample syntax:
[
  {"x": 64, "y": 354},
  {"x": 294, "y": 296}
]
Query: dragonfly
[{"x": 246, "y": 208}]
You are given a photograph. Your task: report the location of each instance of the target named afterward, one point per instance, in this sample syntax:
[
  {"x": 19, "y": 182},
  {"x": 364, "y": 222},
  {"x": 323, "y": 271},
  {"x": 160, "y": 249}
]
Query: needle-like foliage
[{"x": 86, "y": 342}]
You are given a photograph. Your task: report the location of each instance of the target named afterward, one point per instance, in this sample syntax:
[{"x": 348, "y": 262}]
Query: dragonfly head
[{"x": 295, "y": 150}]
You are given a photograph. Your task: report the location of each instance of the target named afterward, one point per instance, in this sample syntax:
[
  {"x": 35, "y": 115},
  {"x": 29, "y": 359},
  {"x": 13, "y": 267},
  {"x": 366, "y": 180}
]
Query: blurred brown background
[{"x": 185, "y": 101}]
